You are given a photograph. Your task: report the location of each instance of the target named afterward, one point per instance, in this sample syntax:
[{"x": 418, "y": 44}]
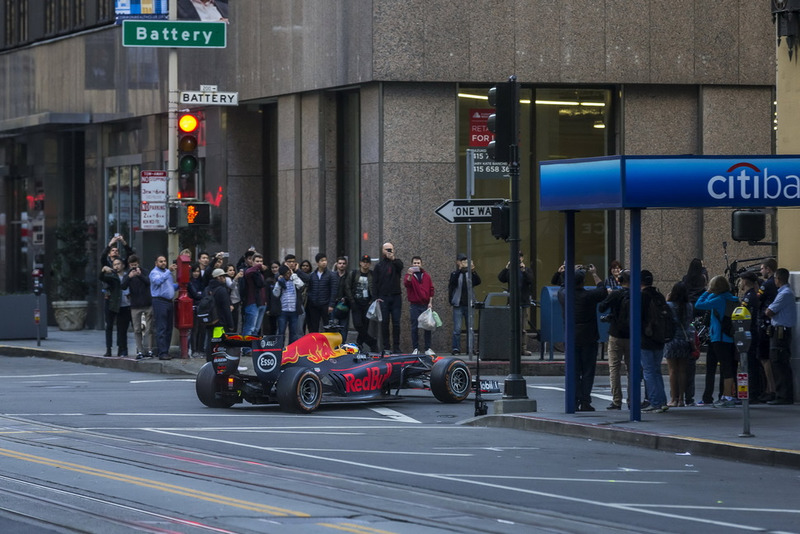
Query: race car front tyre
[
  {"x": 206, "y": 386},
  {"x": 299, "y": 390},
  {"x": 450, "y": 380}
]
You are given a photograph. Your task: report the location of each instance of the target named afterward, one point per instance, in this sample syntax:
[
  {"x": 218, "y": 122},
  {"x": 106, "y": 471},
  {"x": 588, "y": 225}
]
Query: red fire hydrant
[{"x": 184, "y": 312}]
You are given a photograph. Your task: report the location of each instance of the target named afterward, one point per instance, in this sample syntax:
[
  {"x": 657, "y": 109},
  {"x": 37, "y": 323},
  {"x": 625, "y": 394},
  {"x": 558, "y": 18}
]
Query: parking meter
[{"x": 742, "y": 338}]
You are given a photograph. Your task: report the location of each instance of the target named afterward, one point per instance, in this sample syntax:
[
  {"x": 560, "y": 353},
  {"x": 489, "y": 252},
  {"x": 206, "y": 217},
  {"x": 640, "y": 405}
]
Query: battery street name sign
[
  {"x": 205, "y": 98},
  {"x": 174, "y": 34},
  {"x": 468, "y": 210}
]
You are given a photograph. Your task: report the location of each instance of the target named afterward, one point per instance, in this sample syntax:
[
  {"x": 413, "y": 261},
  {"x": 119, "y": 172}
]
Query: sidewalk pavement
[{"x": 699, "y": 431}]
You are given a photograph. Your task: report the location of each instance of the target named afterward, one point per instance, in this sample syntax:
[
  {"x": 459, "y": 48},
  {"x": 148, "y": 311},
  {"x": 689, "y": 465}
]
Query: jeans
[
  {"x": 253, "y": 315},
  {"x": 143, "y": 335},
  {"x": 290, "y": 319},
  {"x": 391, "y": 308},
  {"x": 653, "y": 380},
  {"x": 780, "y": 359},
  {"x": 460, "y": 314},
  {"x": 618, "y": 352},
  {"x": 163, "y": 319},
  {"x": 415, "y": 310}
]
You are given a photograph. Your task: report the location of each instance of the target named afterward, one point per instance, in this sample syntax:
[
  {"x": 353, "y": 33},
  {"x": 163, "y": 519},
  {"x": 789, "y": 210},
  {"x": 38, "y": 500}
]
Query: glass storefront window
[
  {"x": 555, "y": 123},
  {"x": 122, "y": 201}
]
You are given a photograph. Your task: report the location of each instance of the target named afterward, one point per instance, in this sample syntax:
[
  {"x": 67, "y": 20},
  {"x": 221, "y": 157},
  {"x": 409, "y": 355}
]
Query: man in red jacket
[{"x": 419, "y": 289}]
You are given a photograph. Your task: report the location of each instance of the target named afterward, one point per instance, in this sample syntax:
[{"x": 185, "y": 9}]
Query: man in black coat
[
  {"x": 586, "y": 336},
  {"x": 222, "y": 301}
]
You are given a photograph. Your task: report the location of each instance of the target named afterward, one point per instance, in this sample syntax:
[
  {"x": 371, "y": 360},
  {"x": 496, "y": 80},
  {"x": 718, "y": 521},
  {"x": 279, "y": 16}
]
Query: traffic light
[
  {"x": 501, "y": 221},
  {"x": 188, "y": 161},
  {"x": 503, "y": 123},
  {"x": 197, "y": 214}
]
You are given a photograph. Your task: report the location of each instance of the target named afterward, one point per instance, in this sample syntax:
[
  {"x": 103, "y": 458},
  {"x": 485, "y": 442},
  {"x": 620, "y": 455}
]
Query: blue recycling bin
[{"x": 552, "y": 320}]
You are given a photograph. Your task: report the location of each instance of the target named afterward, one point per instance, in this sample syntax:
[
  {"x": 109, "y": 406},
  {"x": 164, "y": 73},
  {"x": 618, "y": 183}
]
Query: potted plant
[{"x": 69, "y": 275}]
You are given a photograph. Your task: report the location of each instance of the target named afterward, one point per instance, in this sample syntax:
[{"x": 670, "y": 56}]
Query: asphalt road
[{"x": 104, "y": 450}]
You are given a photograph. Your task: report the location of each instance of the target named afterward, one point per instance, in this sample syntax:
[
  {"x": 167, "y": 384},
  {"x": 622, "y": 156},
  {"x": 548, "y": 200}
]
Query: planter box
[{"x": 17, "y": 316}]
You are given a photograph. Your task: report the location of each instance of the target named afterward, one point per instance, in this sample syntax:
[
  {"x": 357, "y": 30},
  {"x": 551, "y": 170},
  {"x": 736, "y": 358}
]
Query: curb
[
  {"x": 176, "y": 366},
  {"x": 668, "y": 443}
]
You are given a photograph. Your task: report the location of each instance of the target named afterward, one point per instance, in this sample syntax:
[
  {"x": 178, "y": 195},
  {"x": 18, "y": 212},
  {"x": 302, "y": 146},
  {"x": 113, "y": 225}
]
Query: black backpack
[
  {"x": 207, "y": 308},
  {"x": 659, "y": 326},
  {"x": 727, "y": 319},
  {"x": 623, "y": 313}
]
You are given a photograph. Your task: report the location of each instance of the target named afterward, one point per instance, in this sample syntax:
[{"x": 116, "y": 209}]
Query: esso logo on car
[{"x": 267, "y": 362}]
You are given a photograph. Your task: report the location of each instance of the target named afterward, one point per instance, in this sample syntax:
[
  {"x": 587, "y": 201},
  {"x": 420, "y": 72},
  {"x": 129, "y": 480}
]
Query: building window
[
  {"x": 348, "y": 167},
  {"x": 555, "y": 123},
  {"x": 122, "y": 201},
  {"x": 16, "y": 22}
]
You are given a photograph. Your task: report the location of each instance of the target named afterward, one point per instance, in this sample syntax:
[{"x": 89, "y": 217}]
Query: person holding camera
[
  {"x": 459, "y": 298},
  {"x": 525, "y": 294},
  {"x": 586, "y": 335},
  {"x": 141, "y": 308}
]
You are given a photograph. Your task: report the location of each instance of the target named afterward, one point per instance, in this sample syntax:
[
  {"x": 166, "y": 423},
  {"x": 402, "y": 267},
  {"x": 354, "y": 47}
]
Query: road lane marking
[
  {"x": 394, "y": 415},
  {"x": 554, "y": 479},
  {"x": 352, "y": 527},
  {"x": 154, "y": 484},
  {"x": 568, "y": 498}
]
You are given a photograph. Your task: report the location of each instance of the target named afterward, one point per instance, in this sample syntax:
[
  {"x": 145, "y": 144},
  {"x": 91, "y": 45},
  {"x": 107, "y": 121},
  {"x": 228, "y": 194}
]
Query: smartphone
[
  {"x": 226, "y": 254},
  {"x": 117, "y": 235}
]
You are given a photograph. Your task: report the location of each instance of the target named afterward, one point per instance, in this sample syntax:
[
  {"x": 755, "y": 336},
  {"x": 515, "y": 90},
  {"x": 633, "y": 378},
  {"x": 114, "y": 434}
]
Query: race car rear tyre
[
  {"x": 299, "y": 390},
  {"x": 206, "y": 386},
  {"x": 450, "y": 380}
]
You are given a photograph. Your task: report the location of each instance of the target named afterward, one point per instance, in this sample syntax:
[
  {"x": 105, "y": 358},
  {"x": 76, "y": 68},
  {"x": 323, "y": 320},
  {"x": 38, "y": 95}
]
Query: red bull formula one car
[{"x": 317, "y": 368}]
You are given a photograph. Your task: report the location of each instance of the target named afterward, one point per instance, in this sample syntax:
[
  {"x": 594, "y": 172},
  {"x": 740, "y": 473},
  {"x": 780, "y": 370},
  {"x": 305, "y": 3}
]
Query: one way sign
[{"x": 468, "y": 211}]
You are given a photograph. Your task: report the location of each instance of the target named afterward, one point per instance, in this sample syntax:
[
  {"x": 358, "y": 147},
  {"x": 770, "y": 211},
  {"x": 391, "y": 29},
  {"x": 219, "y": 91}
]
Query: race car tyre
[
  {"x": 206, "y": 387},
  {"x": 450, "y": 380},
  {"x": 299, "y": 390}
]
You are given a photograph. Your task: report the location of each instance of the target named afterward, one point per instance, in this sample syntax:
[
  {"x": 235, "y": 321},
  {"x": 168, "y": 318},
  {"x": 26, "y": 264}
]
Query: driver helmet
[{"x": 349, "y": 348}]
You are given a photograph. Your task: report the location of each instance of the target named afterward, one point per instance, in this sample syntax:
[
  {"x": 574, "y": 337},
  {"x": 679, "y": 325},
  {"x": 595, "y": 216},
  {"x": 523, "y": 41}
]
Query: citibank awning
[
  {"x": 624, "y": 182},
  {"x": 639, "y": 182}
]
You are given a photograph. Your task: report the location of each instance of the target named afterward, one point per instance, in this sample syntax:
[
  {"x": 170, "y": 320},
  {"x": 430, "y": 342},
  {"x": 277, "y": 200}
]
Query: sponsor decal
[
  {"x": 746, "y": 181},
  {"x": 374, "y": 379},
  {"x": 267, "y": 362}
]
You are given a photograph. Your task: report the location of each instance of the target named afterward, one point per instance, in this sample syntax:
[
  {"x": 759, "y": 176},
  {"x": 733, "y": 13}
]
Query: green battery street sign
[{"x": 174, "y": 33}]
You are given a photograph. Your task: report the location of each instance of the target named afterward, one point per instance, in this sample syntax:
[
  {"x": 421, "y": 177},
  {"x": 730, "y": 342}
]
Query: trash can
[
  {"x": 552, "y": 319},
  {"x": 494, "y": 341}
]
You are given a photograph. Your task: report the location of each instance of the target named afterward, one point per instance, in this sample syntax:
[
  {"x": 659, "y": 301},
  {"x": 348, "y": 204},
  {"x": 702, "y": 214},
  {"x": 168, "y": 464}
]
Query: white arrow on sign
[{"x": 468, "y": 211}]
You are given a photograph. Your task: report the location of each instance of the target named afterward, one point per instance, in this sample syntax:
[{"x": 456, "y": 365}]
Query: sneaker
[
  {"x": 150, "y": 354},
  {"x": 415, "y": 351},
  {"x": 583, "y": 407},
  {"x": 613, "y": 406},
  {"x": 527, "y": 353},
  {"x": 725, "y": 403},
  {"x": 703, "y": 403},
  {"x": 430, "y": 352},
  {"x": 140, "y": 356},
  {"x": 656, "y": 409}
]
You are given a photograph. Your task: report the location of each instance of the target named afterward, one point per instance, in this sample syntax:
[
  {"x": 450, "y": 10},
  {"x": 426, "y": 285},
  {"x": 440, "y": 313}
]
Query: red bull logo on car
[{"x": 374, "y": 379}]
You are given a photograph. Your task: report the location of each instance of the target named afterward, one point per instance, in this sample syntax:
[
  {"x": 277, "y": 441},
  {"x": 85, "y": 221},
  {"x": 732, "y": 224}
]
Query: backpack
[
  {"x": 727, "y": 319},
  {"x": 207, "y": 308},
  {"x": 623, "y": 315},
  {"x": 660, "y": 324}
]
